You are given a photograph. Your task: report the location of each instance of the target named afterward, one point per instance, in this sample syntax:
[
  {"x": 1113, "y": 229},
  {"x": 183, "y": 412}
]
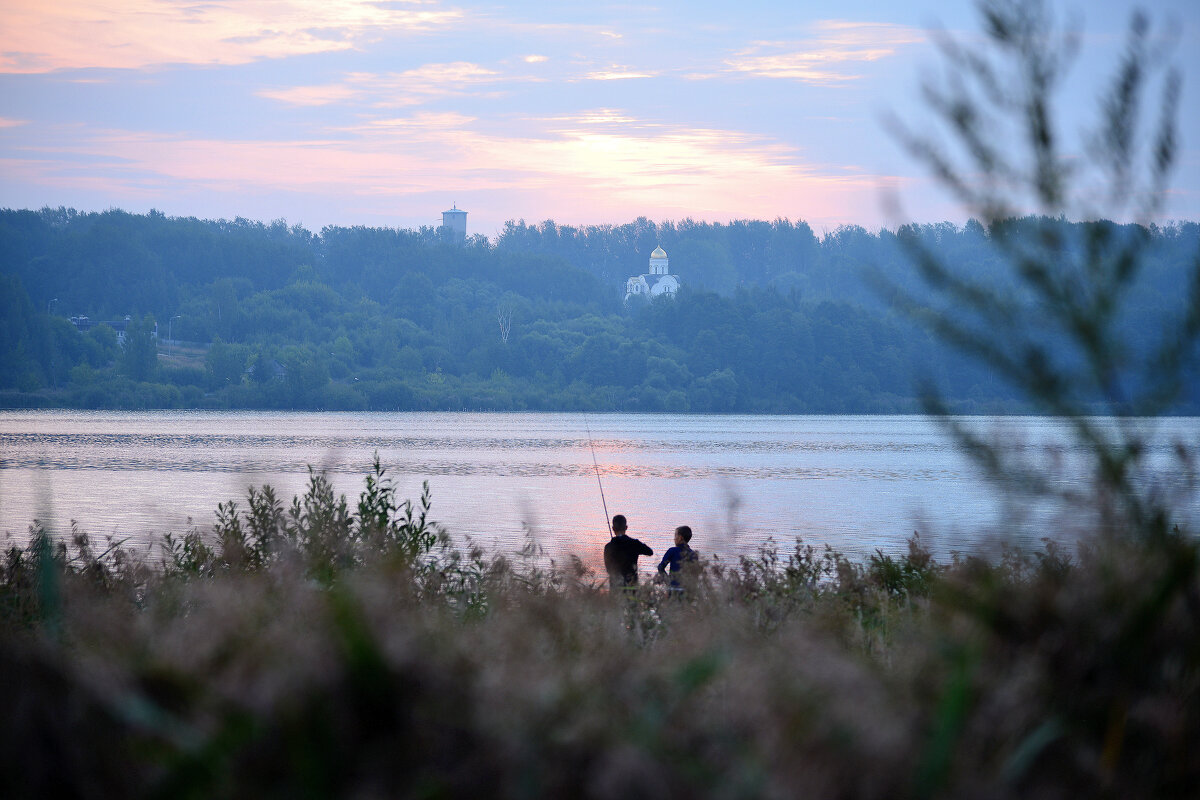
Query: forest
[{"x": 771, "y": 316}]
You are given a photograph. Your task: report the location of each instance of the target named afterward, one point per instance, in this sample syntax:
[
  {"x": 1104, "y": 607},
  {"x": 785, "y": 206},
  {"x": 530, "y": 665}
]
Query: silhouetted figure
[
  {"x": 621, "y": 555},
  {"x": 678, "y": 558}
]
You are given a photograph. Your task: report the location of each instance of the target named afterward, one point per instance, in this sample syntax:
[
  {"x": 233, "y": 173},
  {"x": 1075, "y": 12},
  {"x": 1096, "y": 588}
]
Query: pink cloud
[
  {"x": 616, "y": 73},
  {"x": 311, "y": 95},
  {"x": 824, "y": 58},
  {"x": 42, "y": 36},
  {"x": 407, "y": 88},
  {"x": 421, "y": 121},
  {"x": 592, "y": 168},
  {"x": 453, "y": 72}
]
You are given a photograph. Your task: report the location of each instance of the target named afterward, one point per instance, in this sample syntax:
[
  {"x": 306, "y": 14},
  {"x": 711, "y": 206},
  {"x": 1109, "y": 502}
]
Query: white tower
[
  {"x": 455, "y": 222},
  {"x": 658, "y": 262}
]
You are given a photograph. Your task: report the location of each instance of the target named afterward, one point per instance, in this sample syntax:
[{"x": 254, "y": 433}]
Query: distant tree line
[{"x": 771, "y": 317}]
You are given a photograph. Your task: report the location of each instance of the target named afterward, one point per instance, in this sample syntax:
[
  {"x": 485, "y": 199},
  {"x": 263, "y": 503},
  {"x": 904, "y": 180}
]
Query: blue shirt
[{"x": 675, "y": 557}]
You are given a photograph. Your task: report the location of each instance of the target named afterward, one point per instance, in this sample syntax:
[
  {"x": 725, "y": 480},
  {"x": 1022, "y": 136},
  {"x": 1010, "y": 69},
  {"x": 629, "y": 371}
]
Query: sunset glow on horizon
[{"x": 356, "y": 112}]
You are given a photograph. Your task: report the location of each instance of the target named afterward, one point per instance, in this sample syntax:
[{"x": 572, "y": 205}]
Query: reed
[{"x": 319, "y": 651}]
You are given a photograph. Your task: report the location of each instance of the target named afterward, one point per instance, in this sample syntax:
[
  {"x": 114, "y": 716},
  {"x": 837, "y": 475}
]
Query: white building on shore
[{"x": 655, "y": 283}]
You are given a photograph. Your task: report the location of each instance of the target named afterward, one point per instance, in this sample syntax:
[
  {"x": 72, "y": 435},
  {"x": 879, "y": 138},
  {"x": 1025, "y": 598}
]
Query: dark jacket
[{"x": 620, "y": 559}]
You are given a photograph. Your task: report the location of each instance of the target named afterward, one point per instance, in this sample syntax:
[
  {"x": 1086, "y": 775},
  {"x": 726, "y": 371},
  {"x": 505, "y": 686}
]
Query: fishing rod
[{"x": 607, "y": 519}]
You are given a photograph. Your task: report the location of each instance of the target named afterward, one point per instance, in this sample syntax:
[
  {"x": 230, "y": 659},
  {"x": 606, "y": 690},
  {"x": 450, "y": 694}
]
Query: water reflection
[{"x": 855, "y": 482}]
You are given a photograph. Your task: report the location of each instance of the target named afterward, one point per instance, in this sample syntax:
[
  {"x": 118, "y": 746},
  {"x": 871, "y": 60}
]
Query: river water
[{"x": 855, "y": 482}]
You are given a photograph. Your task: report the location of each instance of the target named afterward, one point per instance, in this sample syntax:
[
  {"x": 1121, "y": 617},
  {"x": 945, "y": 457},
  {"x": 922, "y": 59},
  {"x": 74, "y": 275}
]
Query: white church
[{"x": 655, "y": 283}]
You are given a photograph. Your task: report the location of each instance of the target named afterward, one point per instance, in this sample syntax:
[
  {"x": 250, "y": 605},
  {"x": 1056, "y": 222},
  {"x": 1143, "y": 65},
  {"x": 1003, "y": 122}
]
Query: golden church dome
[{"x": 658, "y": 253}]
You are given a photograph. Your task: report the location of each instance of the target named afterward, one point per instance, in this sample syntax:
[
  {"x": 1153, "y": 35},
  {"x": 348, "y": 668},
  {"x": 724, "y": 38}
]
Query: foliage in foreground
[{"x": 320, "y": 650}]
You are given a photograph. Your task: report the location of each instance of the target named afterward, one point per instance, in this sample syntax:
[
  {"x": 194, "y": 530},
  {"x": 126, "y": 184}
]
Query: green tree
[
  {"x": 306, "y": 376},
  {"x": 666, "y": 374},
  {"x": 225, "y": 364},
  {"x": 16, "y": 320},
  {"x": 140, "y": 357},
  {"x": 704, "y": 264},
  {"x": 717, "y": 391},
  {"x": 102, "y": 345},
  {"x": 264, "y": 369}
]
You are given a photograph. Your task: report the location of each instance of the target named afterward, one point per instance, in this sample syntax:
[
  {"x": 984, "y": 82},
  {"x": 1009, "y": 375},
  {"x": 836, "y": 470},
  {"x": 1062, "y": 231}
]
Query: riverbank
[{"x": 335, "y": 649}]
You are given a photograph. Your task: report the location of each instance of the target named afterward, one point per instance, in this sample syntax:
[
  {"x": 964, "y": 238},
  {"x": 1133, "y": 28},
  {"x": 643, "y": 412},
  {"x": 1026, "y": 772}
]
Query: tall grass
[{"x": 320, "y": 650}]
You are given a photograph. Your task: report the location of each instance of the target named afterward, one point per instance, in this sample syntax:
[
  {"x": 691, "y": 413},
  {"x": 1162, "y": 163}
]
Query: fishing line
[{"x": 607, "y": 519}]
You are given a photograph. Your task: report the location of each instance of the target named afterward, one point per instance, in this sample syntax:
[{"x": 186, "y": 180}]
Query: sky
[{"x": 387, "y": 112}]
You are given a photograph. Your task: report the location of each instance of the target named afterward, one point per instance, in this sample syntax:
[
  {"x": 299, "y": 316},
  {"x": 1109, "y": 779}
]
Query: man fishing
[{"x": 621, "y": 555}]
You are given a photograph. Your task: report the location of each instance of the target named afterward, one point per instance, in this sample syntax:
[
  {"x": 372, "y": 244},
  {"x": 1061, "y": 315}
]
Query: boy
[
  {"x": 621, "y": 555},
  {"x": 677, "y": 556}
]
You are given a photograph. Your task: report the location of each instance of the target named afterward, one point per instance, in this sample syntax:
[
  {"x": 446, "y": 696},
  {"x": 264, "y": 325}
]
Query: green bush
[{"x": 331, "y": 648}]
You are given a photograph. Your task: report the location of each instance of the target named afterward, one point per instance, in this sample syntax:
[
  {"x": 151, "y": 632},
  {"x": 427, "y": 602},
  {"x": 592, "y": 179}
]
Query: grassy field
[
  {"x": 182, "y": 354},
  {"x": 325, "y": 648}
]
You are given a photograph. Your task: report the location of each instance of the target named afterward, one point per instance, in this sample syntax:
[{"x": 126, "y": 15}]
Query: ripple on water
[{"x": 853, "y": 481}]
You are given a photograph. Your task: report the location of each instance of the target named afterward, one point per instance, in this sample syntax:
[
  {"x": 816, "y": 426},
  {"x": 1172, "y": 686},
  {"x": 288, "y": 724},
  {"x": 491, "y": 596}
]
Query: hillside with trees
[{"x": 772, "y": 318}]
